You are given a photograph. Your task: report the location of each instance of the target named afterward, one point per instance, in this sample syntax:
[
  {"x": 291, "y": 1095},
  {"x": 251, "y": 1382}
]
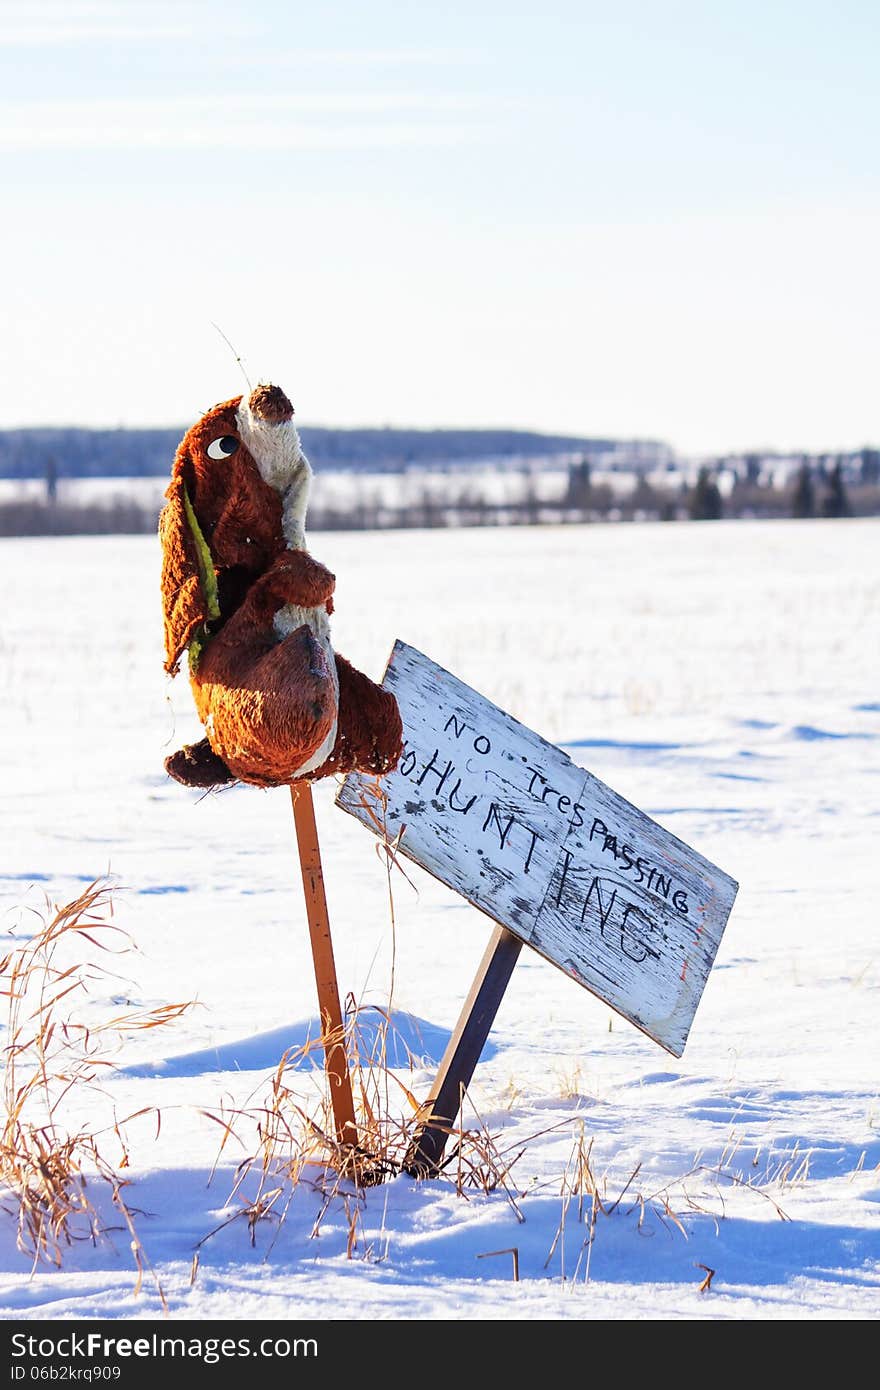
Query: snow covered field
[{"x": 723, "y": 677}]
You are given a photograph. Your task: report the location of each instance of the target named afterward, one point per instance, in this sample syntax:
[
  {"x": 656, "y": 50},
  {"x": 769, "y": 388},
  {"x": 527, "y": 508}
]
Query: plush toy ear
[{"x": 189, "y": 589}]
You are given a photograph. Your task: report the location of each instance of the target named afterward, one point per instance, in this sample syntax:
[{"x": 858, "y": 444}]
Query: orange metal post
[{"x": 333, "y": 1029}]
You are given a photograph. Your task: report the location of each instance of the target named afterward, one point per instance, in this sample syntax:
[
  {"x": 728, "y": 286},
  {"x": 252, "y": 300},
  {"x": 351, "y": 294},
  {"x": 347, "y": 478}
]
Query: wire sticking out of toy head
[{"x": 234, "y": 353}]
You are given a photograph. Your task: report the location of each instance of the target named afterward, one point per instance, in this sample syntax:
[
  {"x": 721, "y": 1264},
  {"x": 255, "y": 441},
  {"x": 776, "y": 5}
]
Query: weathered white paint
[{"x": 546, "y": 849}]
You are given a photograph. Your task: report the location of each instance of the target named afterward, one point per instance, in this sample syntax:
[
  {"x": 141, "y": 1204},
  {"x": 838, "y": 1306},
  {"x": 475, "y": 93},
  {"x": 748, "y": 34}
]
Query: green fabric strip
[{"x": 207, "y": 578}]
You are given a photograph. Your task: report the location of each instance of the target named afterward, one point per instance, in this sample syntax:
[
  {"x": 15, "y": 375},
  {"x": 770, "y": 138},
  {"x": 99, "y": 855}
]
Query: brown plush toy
[{"x": 245, "y": 599}]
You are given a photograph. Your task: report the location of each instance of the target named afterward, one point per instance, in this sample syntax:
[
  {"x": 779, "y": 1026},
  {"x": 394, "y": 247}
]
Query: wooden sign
[{"x": 547, "y": 851}]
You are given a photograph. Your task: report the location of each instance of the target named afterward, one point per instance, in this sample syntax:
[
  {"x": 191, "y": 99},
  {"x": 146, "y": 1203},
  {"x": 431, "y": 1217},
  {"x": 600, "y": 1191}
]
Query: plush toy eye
[{"x": 223, "y": 447}]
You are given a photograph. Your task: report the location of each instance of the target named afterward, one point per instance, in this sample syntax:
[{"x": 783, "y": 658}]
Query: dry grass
[
  {"x": 53, "y": 1061},
  {"x": 578, "y": 1185},
  {"x": 290, "y": 1139},
  {"x": 297, "y": 1139},
  {"x": 296, "y": 1148},
  {"x": 700, "y": 1191}
]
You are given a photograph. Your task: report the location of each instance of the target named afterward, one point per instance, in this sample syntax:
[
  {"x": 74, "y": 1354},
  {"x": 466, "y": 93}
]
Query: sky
[{"x": 639, "y": 220}]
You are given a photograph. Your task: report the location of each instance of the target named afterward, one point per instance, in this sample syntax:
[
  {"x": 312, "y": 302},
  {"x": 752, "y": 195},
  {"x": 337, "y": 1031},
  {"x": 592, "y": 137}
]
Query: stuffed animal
[{"x": 244, "y": 598}]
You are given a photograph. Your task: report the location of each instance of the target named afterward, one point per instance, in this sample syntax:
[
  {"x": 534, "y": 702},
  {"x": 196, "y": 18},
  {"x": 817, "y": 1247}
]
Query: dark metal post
[{"x": 463, "y": 1052}]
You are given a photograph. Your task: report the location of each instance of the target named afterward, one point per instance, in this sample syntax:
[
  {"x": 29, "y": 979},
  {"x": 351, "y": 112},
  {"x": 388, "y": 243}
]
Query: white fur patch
[
  {"x": 287, "y": 620},
  {"x": 277, "y": 452}
]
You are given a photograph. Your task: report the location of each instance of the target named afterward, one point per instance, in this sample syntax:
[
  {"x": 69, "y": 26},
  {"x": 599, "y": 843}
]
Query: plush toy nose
[{"x": 269, "y": 403}]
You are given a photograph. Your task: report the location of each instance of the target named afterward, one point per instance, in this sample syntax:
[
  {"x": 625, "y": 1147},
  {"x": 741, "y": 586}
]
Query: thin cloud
[
  {"x": 427, "y": 57},
  {"x": 379, "y": 135},
  {"x": 243, "y": 103},
  {"x": 50, "y": 24},
  {"x": 33, "y": 35},
  {"x": 250, "y": 121},
  {"x": 56, "y": 23}
]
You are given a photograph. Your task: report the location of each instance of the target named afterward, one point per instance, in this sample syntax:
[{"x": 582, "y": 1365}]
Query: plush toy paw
[
  {"x": 197, "y": 765},
  {"x": 297, "y": 577}
]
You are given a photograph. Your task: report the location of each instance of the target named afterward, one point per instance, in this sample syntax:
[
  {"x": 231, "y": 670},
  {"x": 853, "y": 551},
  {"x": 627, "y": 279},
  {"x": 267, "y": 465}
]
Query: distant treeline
[
  {"x": 818, "y": 488},
  {"x": 146, "y": 453}
]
